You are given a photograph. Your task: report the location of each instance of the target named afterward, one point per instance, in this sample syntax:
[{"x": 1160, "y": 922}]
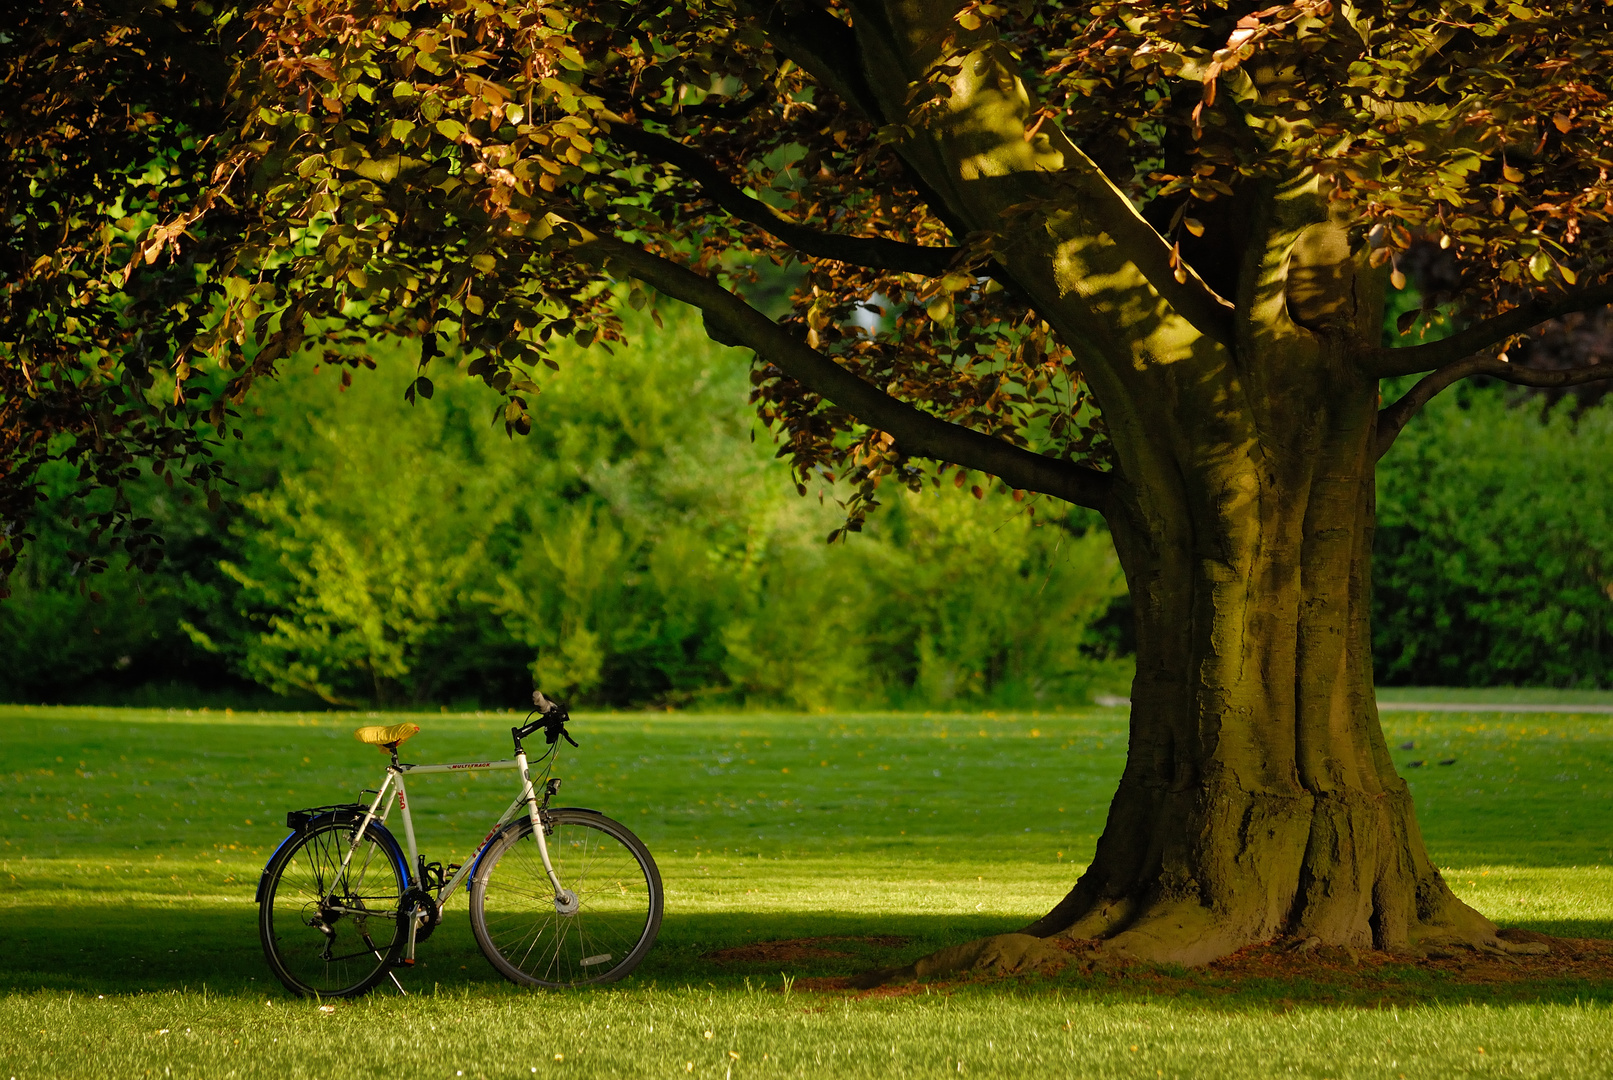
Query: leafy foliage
[
  {"x": 1480, "y": 125},
  {"x": 107, "y": 153},
  {"x": 1493, "y": 564},
  {"x": 439, "y": 171},
  {"x": 636, "y": 549}
]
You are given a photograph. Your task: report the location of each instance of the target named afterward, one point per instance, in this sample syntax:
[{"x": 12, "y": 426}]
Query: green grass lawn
[{"x": 134, "y": 839}]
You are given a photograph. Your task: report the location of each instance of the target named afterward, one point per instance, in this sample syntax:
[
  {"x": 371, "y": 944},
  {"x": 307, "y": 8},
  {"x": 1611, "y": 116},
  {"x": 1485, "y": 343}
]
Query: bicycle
[{"x": 558, "y": 898}]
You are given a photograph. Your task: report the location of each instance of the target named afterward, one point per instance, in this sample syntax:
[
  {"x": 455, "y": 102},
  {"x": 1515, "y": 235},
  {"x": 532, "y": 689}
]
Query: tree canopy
[{"x": 200, "y": 192}]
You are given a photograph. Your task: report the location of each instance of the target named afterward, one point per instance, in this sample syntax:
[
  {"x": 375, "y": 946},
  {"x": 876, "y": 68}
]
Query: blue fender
[{"x": 303, "y": 822}]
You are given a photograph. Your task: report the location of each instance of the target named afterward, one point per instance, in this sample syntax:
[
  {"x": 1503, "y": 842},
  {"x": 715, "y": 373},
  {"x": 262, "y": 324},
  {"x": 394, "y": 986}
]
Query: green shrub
[
  {"x": 67, "y": 634},
  {"x": 1494, "y": 554},
  {"x": 637, "y": 548}
]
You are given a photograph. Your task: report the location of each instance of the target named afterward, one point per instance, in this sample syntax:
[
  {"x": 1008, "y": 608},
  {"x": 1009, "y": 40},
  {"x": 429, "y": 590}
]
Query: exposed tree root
[
  {"x": 1023, "y": 954},
  {"x": 1184, "y": 931},
  {"x": 1517, "y": 962}
]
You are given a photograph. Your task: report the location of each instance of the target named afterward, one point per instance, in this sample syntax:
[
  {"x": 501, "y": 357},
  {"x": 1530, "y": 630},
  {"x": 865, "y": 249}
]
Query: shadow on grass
[{"x": 150, "y": 948}]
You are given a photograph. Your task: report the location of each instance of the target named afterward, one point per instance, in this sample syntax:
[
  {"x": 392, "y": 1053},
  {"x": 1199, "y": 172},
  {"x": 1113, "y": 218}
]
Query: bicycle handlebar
[{"x": 552, "y": 720}]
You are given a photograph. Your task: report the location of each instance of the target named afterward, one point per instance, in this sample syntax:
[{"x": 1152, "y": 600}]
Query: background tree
[{"x": 1128, "y": 255}]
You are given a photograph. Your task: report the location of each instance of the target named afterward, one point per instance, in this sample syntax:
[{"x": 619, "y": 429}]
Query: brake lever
[{"x": 553, "y": 730}]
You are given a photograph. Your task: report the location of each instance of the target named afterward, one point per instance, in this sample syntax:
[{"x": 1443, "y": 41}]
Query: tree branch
[
  {"x": 875, "y": 252},
  {"x": 832, "y": 53},
  {"x": 1393, "y": 419},
  {"x": 1384, "y": 363},
  {"x": 731, "y": 321},
  {"x": 725, "y": 109},
  {"x": 1210, "y": 313},
  {"x": 824, "y": 46}
]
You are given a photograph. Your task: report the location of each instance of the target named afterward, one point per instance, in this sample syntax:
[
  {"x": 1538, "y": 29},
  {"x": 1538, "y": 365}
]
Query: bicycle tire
[
  {"x": 305, "y": 889},
  {"x": 519, "y": 925}
]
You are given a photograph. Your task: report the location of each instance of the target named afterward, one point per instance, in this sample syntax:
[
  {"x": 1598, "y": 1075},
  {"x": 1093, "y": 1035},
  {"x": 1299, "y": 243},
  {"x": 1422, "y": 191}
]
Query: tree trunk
[{"x": 1258, "y": 798}]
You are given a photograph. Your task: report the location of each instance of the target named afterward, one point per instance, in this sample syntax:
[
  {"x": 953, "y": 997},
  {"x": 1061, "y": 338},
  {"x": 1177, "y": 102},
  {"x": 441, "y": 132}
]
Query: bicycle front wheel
[
  {"x": 330, "y": 931},
  {"x": 596, "y": 934}
]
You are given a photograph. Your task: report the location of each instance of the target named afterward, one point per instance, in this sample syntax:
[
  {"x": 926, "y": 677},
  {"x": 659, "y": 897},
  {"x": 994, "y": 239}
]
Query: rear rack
[{"x": 297, "y": 820}]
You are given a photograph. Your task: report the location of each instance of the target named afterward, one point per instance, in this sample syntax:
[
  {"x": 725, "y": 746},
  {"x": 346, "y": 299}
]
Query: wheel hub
[{"x": 565, "y": 902}]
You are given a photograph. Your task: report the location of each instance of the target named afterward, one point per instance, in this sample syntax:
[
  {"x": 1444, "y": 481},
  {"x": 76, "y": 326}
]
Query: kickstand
[{"x": 391, "y": 975}]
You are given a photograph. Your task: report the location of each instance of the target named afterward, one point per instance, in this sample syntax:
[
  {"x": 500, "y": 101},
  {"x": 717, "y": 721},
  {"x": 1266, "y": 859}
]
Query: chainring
[{"x": 418, "y": 897}]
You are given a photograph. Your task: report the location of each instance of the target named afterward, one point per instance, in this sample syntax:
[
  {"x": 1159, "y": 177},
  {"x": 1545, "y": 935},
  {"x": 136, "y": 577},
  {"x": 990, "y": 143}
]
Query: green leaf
[{"x": 383, "y": 170}]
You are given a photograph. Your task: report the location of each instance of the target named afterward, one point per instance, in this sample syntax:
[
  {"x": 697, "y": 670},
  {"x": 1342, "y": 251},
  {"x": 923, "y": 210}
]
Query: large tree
[{"x": 1133, "y": 256}]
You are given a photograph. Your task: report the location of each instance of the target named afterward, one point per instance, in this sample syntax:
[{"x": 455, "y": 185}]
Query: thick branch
[
  {"x": 840, "y": 58},
  {"x": 824, "y": 46},
  {"x": 733, "y": 322},
  {"x": 1393, "y": 420},
  {"x": 1384, "y": 363},
  {"x": 1193, "y": 298},
  {"x": 875, "y": 252}
]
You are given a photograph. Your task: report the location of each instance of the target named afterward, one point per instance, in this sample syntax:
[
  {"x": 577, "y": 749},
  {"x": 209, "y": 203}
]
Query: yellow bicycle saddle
[{"x": 387, "y": 738}]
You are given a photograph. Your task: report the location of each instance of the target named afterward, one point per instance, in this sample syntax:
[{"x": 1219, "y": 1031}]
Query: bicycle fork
[{"x": 565, "y": 901}]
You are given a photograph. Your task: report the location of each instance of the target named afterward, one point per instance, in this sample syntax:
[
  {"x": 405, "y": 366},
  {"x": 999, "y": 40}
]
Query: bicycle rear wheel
[
  {"x": 535, "y": 940},
  {"x": 330, "y": 932}
]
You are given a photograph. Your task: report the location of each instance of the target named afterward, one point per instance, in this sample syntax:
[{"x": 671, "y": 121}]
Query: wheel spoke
[
  {"x": 516, "y": 920},
  {"x": 318, "y": 918}
]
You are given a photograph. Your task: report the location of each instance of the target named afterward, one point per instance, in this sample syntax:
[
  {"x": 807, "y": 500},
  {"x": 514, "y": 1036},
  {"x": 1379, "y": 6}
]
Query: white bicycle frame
[{"x": 394, "y": 785}]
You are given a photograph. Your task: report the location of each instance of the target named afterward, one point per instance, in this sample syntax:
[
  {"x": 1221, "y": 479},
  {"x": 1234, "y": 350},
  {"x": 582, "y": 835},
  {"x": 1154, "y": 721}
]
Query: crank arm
[{"x": 414, "y": 925}]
